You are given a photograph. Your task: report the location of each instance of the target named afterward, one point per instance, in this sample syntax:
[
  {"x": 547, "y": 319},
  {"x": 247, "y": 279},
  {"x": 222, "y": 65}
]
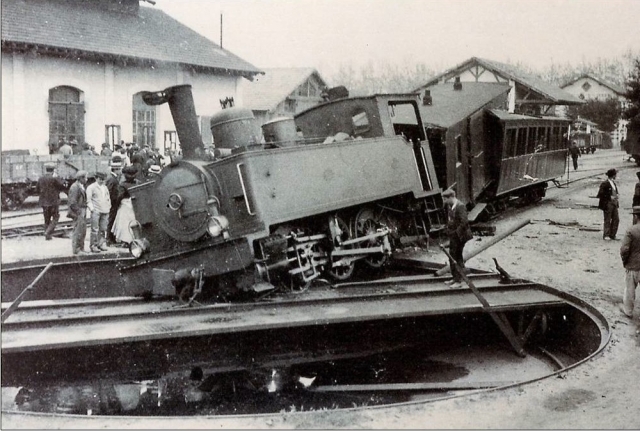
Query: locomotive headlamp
[
  {"x": 217, "y": 225},
  {"x": 138, "y": 247}
]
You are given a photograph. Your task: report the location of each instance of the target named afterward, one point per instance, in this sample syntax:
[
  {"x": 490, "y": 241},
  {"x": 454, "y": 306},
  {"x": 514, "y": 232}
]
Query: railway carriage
[
  {"x": 522, "y": 154},
  {"x": 20, "y": 173},
  {"x": 493, "y": 158}
]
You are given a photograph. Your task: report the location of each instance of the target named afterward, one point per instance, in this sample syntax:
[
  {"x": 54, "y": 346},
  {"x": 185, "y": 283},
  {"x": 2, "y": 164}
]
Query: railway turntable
[{"x": 72, "y": 343}]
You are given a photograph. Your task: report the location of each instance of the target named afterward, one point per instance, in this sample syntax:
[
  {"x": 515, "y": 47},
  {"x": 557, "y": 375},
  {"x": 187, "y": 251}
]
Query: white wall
[{"x": 108, "y": 94}]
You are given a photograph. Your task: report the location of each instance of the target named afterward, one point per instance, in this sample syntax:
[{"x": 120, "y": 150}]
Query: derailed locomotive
[{"x": 290, "y": 209}]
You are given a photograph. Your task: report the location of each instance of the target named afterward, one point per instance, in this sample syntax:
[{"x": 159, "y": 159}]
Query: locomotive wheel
[
  {"x": 366, "y": 223},
  {"x": 342, "y": 272}
]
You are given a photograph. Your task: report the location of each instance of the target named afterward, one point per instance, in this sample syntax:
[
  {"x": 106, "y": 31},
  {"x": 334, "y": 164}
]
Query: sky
[{"x": 326, "y": 34}]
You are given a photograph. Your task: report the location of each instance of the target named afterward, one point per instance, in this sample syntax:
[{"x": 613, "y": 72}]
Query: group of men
[
  {"x": 101, "y": 198},
  {"x": 609, "y": 202},
  {"x": 71, "y": 147}
]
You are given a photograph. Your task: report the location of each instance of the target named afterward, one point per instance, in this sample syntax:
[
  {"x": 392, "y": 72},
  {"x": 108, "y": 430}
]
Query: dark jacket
[
  {"x": 636, "y": 195},
  {"x": 605, "y": 194},
  {"x": 630, "y": 248},
  {"x": 49, "y": 188},
  {"x": 116, "y": 191},
  {"x": 574, "y": 151},
  {"x": 77, "y": 199},
  {"x": 458, "y": 223}
]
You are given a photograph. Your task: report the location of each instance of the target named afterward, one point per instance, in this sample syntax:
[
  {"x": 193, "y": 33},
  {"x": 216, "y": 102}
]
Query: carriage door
[
  {"x": 476, "y": 154},
  {"x": 406, "y": 122},
  {"x": 66, "y": 114}
]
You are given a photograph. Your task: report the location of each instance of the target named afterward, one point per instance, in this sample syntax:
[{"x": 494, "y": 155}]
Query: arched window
[
  {"x": 144, "y": 122},
  {"x": 66, "y": 115}
]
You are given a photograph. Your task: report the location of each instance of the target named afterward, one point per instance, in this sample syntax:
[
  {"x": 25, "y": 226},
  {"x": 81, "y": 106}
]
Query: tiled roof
[
  {"x": 450, "y": 106},
  {"x": 616, "y": 88},
  {"x": 268, "y": 90},
  {"x": 88, "y": 28},
  {"x": 550, "y": 91}
]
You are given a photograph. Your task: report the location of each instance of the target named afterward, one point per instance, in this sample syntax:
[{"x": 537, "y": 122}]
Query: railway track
[{"x": 46, "y": 325}]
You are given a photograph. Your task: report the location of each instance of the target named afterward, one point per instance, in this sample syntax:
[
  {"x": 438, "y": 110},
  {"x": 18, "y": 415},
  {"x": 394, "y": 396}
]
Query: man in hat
[
  {"x": 77, "y": 149},
  {"x": 86, "y": 150},
  {"x": 78, "y": 212},
  {"x": 630, "y": 254},
  {"x": 574, "y": 151},
  {"x": 49, "y": 188},
  {"x": 608, "y": 202},
  {"x": 106, "y": 151},
  {"x": 459, "y": 233},
  {"x": 99, "y": 203},
  {"x": 116, "y": 192},
  {"x": 154, "y": 171}
]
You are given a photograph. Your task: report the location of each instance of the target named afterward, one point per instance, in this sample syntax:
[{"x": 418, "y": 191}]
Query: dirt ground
[{"x": 563, "y": 248}]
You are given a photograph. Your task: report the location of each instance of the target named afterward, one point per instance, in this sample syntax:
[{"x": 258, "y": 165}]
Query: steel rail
[{"x": 52, "y": 313}]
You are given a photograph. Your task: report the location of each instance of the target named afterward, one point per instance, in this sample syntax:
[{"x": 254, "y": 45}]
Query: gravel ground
[{"x": 563, "y": 248}]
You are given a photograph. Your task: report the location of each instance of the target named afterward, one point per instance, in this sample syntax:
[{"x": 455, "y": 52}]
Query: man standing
[
  {"x": 636, "y": 192},
  {"x": 575, "y": 153},
  {"x": 630, "y": 254},
  {"x": 459, "y": 233},
  {"x": 78, "y": 212},
  {"x": 99, "y": 203},
  {"x": 49, "y": 188},
  {"x": 106, "y": 151},
  {"x": 116, "y": 192},
  {"x": 608, "y": 202},
  {"x": 65, "y": 149}
]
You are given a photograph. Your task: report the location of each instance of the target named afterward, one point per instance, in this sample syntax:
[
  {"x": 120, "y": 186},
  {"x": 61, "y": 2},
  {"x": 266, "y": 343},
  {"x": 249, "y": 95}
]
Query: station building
[
  {"x": 76, "y": 69},
  {"x": 283, "y": 92},
  {"x": 528, "y": 94},
  {"x": 589, "y": 87}
]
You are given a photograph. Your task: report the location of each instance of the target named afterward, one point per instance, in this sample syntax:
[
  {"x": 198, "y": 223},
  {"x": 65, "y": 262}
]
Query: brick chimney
[{"x": 457, "y": 85}]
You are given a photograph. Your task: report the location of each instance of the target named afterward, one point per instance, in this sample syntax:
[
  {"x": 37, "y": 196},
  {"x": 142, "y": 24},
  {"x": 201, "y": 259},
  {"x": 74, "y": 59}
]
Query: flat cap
[{"x": 448, "y": 193}]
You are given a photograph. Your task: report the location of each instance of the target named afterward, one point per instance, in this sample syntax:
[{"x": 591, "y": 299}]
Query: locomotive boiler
[{"x": 286, "y": 211}]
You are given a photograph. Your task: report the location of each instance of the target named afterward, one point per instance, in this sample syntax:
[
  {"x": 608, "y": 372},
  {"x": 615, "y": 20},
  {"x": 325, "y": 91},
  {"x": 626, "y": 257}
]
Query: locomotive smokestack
[{"x": 183, "y": 111}]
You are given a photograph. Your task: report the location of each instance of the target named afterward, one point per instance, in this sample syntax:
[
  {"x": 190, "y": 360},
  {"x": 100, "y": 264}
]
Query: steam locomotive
[{"x": 339, "y": 186}]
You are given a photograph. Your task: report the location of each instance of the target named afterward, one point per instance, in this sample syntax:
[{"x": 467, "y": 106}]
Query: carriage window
[
  {"x": 531, "y": 140},
  {"x": 360, "y": 123},
  {"x": 563, "y": 138},
  {"x": 510, "y": 143},
  {"x": 543, "y": 143},
  {"x": 522, "y": 142},
  {"x": 554, "y": 138}
]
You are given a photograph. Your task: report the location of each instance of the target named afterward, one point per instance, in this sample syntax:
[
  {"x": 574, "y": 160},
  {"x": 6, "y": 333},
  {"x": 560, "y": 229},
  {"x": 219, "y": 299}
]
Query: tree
[
  {"x": 605, "y": 113},
  {"x": 632, "y": 113}
]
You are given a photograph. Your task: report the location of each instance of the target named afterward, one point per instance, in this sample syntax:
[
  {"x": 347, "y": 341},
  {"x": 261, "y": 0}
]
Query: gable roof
[
  {"x": 451, "y": 106},
  {"x": 549, "y": 91},
  {"x": 615, "y": 88},
  {"x": 268, "y": 90},
  {"x": 84, "y": 27}
]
